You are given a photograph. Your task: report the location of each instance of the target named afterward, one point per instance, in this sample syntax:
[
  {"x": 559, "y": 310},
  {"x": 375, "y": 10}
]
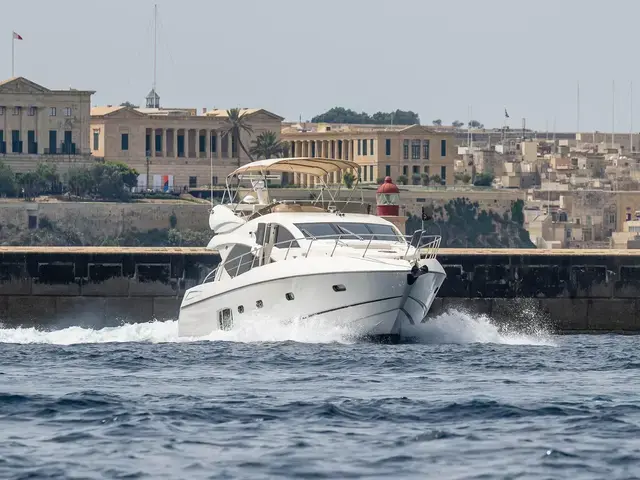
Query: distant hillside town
[{"x": 576, "y": 189}]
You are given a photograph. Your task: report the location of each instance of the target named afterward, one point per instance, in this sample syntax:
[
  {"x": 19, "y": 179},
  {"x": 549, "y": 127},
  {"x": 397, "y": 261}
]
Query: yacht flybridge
[{"x": 312, "y": 258}]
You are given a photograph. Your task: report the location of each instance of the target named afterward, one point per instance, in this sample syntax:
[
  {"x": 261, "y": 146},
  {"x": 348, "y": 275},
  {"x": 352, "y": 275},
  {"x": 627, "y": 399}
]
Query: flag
[
  {"x": 506, "y": 115},
  {"x": 16, "y": 36}
]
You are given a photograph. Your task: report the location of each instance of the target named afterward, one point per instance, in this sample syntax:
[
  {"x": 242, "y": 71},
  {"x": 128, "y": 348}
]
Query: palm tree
[
  {"x": 268, "y": 146},
  {"x": 236, "y": 123}
]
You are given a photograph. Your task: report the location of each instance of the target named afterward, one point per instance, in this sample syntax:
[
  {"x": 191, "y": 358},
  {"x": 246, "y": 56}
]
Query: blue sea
[{"x": 465, "y": 400}]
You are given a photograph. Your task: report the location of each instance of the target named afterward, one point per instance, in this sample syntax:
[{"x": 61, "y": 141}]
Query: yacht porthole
[
  {"x": 240, "y": 309},
  {"x": 289, "y": 296},
  {"x": 339, "y": 288},
  {"x": 259, "y": 304}
]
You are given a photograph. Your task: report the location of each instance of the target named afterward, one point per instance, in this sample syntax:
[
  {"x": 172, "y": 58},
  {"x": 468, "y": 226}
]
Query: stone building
[
  {"x": 42, "y": 125},
  {"x": 380, "y": 150},
  {"x": 174, "y": 148}
]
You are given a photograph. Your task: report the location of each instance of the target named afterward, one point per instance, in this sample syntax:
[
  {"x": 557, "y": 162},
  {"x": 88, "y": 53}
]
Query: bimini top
[{"x": 317, "y": 167}]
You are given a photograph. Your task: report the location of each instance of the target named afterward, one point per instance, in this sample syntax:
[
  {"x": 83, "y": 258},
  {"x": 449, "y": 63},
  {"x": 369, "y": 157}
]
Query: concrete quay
[{"x": 565, "y": 290}]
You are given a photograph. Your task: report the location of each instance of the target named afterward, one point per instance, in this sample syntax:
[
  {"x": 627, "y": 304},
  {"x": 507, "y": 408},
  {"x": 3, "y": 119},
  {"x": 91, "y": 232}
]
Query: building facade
[
  {"x": 173, "y": 149},
  {"x": 381, "y": 151},
  {"x": 38, "y": 124}
]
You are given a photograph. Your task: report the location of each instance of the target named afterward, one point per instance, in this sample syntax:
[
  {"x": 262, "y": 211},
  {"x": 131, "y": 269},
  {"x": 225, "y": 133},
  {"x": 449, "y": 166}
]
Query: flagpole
[{"x": 13, "y": 54}]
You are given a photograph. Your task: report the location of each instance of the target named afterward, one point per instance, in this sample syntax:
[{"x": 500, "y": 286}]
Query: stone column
[
  {"x": 153, "y": 142},
  {"x": 175, "y": 142}
]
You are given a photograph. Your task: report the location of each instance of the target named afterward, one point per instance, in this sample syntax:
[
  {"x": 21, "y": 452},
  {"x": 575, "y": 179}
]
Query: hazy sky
[{"x": 302, "y": 57}]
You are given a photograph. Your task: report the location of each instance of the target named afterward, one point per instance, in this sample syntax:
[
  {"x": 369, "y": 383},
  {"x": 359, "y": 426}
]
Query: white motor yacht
[{"x": 300, "y": 259}]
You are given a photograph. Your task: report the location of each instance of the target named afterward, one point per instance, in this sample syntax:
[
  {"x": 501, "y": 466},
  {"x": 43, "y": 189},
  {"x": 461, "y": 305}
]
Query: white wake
[
  {"x": 461, "y": 327},
  {"x": 454, "y": 327}
]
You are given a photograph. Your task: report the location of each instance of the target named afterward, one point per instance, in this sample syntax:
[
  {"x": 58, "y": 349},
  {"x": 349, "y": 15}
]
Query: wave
[
  {"x": 460, "y": 327},
  {"x": 454, "y": 327}
]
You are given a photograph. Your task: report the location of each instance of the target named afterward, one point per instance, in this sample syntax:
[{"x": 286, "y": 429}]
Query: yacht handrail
[{"x": 428, "y": 249}]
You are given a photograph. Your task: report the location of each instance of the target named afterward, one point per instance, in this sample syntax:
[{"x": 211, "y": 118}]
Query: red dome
[{"x": 388, "y": 186}]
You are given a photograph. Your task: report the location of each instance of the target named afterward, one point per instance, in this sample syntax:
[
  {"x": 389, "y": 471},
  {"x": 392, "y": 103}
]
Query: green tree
[
  {"x": 517, "y": 212},
  {"x": 402, "y": 180},
  {"x": 31, "y": 184},
  {"x": 348, "y": 179},
  {"x": 483, "y": 180},
  {"x": 79, "y": 181},
  {"x": 8, "y": 185},
  {"x": 425, "y": 179},
  {"x": 129, "y": 175},
  {"x": 344, "y": 115},
  {"x": 437, "y": 122},
  {"x": 457, "y": 124},
  {"x": 48, "y": 177},
  {"x": 267, "y": 145},
  {"x": 475, "y": 124},
  {"x": 110, "y": 180},
  {"x": 436, "y": 180},
  {"x": 236, "y": 123},
  {"x": 128, "y": 104}
]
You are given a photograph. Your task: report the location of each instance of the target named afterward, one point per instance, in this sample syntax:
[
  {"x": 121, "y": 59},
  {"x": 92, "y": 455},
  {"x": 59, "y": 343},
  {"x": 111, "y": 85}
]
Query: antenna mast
[{"x": 155, "y": 44}]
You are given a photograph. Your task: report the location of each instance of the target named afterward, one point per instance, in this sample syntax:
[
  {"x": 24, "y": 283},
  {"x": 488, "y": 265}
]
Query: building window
[
  {"x": 416, "y": 170},
  {"x": 387, "y": 146},
  {"x": 124, "y": 141},
  {"x": 371, "y": 172},
  {"x": 214, "y": 180},
  {"x": 387, "y": 170},
  {"x": 443, "y": 172},
  {"x": 1, "y": 110},
  {"x": 359, "y": 147},
  {"x": 443, "y": 148},
  {"x": 193, "y": 182},
  {"x": 32, "y": 111},
  {"x": 364, "y": 170},
  {"x": 17, "y": 110},
  {"x": 371, "y": 147},
  {"x": 425, "y": 149},
  {"x": 364, "y": 147},
  {"x": 16, "y": 143},
  {"x": 415, "y": 149},
  {"x": 405, "y": 170},
  {"x": 426, "y": 169},
  {"x": 96, "y": 139},
  {"x": 67, "y": 111},
  {"x": 405, "y": 150},
  {"x": 52, "y": 112}
]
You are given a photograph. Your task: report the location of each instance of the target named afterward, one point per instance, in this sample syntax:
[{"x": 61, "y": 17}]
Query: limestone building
[
  {"x": 395, "y": 151},
  {"x": 173, "y": 149},
  {"x": 42, "y": 125}
]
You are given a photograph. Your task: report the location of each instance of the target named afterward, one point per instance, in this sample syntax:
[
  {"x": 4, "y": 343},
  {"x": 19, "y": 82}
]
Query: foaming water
[
  {"x": 454, "y": 327},
  {"x": 461, "y": 327},
  {"x": 267, "y": 330}
]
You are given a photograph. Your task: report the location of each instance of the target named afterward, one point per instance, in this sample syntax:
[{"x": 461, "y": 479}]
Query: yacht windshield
[{"x": 350, "y": 231}]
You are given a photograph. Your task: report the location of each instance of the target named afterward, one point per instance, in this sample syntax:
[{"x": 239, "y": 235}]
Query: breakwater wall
[{"x": 566, "y": 290}]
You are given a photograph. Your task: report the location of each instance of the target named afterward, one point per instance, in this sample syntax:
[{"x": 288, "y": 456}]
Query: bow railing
[{"x": 373, "y": 246}]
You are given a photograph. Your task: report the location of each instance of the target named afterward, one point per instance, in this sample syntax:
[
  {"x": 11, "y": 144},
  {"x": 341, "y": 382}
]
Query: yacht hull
[{"x": 365, "y": 298}]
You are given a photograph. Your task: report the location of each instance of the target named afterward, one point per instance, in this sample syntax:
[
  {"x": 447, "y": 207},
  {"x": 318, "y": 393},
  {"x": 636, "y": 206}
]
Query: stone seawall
[
  {"x": 566, "y": 290},
  {"x": 97, "y": 286}
]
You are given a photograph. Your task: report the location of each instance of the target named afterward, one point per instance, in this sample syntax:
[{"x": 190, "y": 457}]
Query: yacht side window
[
  {"x": 285, "y": 239},
  {"x": 241, "y": 260},
  {"x": 318, "y": 230}
]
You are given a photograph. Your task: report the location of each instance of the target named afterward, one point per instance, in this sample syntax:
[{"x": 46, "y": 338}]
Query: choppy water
[{"x": 298, "y": 401}]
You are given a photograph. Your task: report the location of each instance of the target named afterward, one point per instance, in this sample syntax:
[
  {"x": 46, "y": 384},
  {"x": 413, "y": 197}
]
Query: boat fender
[{"x": 424, "y": 269}]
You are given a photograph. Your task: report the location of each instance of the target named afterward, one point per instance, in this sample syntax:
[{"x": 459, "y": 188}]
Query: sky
[{"x": 299, "y": 58}]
